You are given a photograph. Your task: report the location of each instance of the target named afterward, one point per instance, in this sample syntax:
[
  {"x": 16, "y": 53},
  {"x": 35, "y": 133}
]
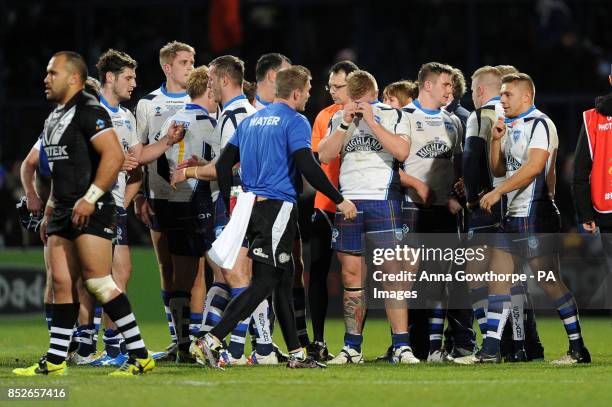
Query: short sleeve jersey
[
  {"x": 367, "y": 170},
  {"x": 67, "y": 142},
  {"x": 198, "y": 141},
  {"x": 436, "y": 139},
  {"x": 479, "y": 125},
  {"x": 125, "y": 128},
  {"x": 267, "y": 141},
  {"x": 151, "y": 113},
  {"x": 531, "y": 129}
]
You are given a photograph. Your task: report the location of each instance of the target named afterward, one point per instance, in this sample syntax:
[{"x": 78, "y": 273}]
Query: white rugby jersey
[
  {"x": 151, "y": 113},
  {"x": 367, "y": 170},
  {"x": 436, "y": 139},
  {"x": 531, "y": 129},
  {"x": 232, "y": 113},
  {"x": 125, "y": 127},
  {"x": 198, "y": 140},
  {"x": 480, "y": 124}
]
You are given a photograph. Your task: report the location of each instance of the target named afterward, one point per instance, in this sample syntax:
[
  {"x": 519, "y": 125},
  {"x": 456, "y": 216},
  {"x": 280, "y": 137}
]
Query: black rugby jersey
[{"x": 66, "y": 140}]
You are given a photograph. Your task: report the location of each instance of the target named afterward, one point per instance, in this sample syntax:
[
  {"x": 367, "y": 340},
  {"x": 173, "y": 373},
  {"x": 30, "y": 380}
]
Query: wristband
[
  {"x": 190, "y": 172},
  {"x": 93, "y": 194},
  {"x": 51, "y": 202},
  {"x": 344, "y": 125}
]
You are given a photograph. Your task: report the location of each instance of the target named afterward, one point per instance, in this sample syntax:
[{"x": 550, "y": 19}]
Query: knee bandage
[{"x": 102, "y": 288}]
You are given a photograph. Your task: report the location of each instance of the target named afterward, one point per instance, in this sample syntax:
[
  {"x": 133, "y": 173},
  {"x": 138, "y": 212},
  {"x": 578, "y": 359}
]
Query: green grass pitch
[{"x": 23, "y": 340}]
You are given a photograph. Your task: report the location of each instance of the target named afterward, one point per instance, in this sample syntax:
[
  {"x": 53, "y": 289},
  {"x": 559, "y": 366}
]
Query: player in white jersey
[
  {"x": 524, "y": 149},
  {"x": 371, "y": 139},
  {"x": 176, "y": 60},
  {"x": 117, "y": 72},
  {"x": 434, "y": 161}
]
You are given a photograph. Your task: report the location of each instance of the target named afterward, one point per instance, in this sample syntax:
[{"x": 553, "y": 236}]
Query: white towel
[{"x": 225, "y": 249}]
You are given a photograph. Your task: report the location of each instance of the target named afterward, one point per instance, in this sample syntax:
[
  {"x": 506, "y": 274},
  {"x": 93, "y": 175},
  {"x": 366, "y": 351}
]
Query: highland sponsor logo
[
  {"x": 363, "y": 143},
  {"x": 435, "y": 149}
]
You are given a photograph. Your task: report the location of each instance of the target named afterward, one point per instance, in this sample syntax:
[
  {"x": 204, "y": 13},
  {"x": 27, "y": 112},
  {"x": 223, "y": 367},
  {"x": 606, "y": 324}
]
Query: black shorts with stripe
[
  {"x": 102, "y": 222},
  {"x": 271, "y": 232}
]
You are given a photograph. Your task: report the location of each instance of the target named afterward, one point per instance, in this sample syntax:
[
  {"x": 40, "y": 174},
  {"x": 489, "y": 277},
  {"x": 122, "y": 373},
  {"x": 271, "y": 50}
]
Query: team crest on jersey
[
  {"x": 100, "y": 124},
  {"x": 435, "y": 149},
  {"x": 363, "y": 143},
  {"x": 512, "y": 164},
  {"x": 419, "y": 126},
  {"x": 158, "y": 111},
  {"x": 515, "y": 134}
]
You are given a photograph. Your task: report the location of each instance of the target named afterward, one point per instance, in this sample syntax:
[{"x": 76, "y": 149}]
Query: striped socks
[
  {"x": 180, "y": 309},
  {"x": 120, "y": 312},
  {"x": 217, "y": 299},
  {"x": 568, "y": 312},
  {"x": 479, "y": 305},
  {"x": 62, "y": 325},
  {"x": 436, "y": 326},
  {"x": 238, "y": 336},
  {"x": 497, "y": 315},
  {"x": 166, "y": 298}
]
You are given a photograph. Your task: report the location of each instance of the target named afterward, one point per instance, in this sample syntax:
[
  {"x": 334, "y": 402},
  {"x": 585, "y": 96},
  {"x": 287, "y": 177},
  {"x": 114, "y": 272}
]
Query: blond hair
[
  {"x": 360, "y": 82},
  {"x": 402, "y": 90},
  {"x": 506, "y": 69},
  {"x": 197, "y": 82},
  {"x": 168, "y": 52},
  {"x": 489, "y": 76}
]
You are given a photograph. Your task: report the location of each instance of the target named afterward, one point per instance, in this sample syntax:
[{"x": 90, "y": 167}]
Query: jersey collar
[
  {"x": 492, "y": 100},
  {"x": 520, "y": 116},
  {"x": 113, "y": 109},
  {"x": 169, "y": 94},
  {"x": 263, "y": 102},
  {"x": 241, "y": 96},
  {"x": 428, "y": 111},
  {"x": 193, "y": 106}
]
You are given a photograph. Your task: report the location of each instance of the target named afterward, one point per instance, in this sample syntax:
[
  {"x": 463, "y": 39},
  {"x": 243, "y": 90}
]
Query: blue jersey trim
[
  {"x": 193, "y": 106},
  {"x": 520, "y": 116},
  {"x": 496, "y": 99},
  {"x": 241, "y": 96},
  {"x": 113, "y": 109},
  {"x": 263, "y": 102},
  {"x": 428, "y": 111},
  {"x": 163, "y": 90}
]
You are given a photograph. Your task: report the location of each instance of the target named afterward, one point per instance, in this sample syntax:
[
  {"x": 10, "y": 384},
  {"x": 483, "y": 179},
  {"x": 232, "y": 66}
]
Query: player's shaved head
[
  {"x": 506, "y": 69},
  {"x": 488, "y": 76},
  {"x": 74, "y": 63},
  {"x": 523, "y": 81}
]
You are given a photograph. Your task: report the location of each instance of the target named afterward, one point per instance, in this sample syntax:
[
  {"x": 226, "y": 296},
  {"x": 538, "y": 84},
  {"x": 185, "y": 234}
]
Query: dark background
[{"x": 565, "y": 45}]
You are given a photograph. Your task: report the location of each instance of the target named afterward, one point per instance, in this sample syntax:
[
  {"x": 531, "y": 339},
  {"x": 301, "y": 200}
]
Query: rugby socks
[
  {"x": 48, "y": 316},
  {"x": 217, "y": 299},
  {"x": 120, "y": 312},
  {"x": 195, "y": 324},
  {"x": 112, "y": 342},
  {"x": 238, "y": 337},
  {"x": 497, "y": 315},
  {"x": 299, "y": 305},
  {"x": 479, "y": 305},
  {"x": 298, "y": 355},
  {"x": 400, "y": 339},
  {"x": 568, "y": 312},
  {"x": 436, "y": 326},
  {"x": 171, "y": 328},
  {"x": 84, "y": 337},
  {"x": 97, "y": 321},
  {"x": 62, "y": 325},
  {"x": 180, "y": 308},
  {"x": 517, "y": 316},
  {"x": 353, "y": 341},
  {"x": 260, "y": 329}
]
